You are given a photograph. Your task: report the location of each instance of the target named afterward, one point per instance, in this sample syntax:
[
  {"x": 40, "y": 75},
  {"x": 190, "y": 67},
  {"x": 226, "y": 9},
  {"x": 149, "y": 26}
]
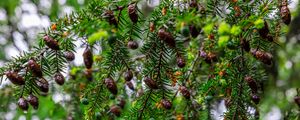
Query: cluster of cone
[{"x": 36, "y": 70}]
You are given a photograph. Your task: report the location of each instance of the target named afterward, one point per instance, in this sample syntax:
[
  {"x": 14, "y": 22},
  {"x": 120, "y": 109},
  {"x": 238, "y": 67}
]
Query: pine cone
[
  {"x": 211, "y": 57},
  {"x": 270, "y": 38},
  {"x": 130, "y": 85},
  {"x": 245, "y": 45},
  {"x": 51, "y": 43},
  {"x": 263, "y": 32},
  {"x": 264, "y": 57},
  {"x": 59, "y": 78},
  {"x": 34, "y": 101},
  {"x": 43, "y": 85},
  {"x": 111, "y": 85},
  {"x": 194, "y": 31},
  {"x": 88, "y": 58},
  {"x": 297, "y": 100},
  {"x": 194, "y": 4},
  {"x": 35, "y": 68},
  {"x": 285, "y": 14},
  {"x": 267, "y": 58},
  {"x": 70, "y": 56},
  {"x": 166, "y": 37},
  {"x": 88, "y": 73},
  {"x": 166, "y": 104},
  {"x": 255, "y": 98},
  {"x": 251, "y": 83},
  {"x": 150, "y": 83},
  {"x": 132, "y": 12},
  {"x": 115, "y": 110},
  {"x": 180, "y": 62},
  {"x": 121, "y": 102},
  {"x": 109, "y": 15},
  {"x": 132, "y": 45},
  {"x": 23, "y": 104},
  {"x": 15, "y": 78},
  {"x": 185, "y": 92},
  {"x": 128, "y": 75}
]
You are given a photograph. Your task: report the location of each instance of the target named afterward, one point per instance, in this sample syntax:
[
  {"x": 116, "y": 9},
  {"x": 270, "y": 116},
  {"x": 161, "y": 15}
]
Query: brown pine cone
[
  {"x": 88, "y": 73},
  {"x": 180, "y": 62},
  {"x": 51, "y": 43},
  {"x": 251, "y": 83},
  {"x": 132, "y": 45},
  {"x": 166, "y": 104},
  {"x": 23, "y": 104},
  {"x": 132, "y": 12},
  {"x": 185, "y": 92},
  {"x": 109, "y": 15},
  {"x": 264, "y": 57},
  {"x": 121, "y": 102},
  {"x": 297, "y": 100},
  {"x": 15, "y": 78},
  {"x": 194, "y": 31},
  {"x": 194, "y": 4},
  {"x": 166, "y": 37},
  {"x": 245, "y": 45},
  {"x": 70, "y": 56},
  {"x": 116, "y": 110},
  {"x": 88, "y": 58},
  {"x": 285, "y": 14},
  {"x": 59, "y": 78},
  {"x": 35, "y": 68},
  {"x": 128, "y": 75},
  {"x": 111, "y": 85},
  {"x": 263, "y": 32},
  {"x": 211, "y": 57},
  {"x": 34, "y": 101},
  {"x": 43, "y": 85},
  {"x": 270, "y": 38},
  {"x": 130, "y": 85},
  {"x": 150, "y": 83}
]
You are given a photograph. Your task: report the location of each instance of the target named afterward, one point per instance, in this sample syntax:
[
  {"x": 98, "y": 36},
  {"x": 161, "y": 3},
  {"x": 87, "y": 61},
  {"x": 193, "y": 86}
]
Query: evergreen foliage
[{"x": 172, "y": 61}]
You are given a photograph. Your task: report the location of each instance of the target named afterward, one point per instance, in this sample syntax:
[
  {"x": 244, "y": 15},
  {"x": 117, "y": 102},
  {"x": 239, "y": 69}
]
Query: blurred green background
[{"x": 21, "y": 21}]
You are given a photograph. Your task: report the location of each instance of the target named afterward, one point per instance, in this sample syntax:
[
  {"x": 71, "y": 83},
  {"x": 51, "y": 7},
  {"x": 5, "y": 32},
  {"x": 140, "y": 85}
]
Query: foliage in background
[
  {"x": 14, "y": 30},
  {"x": 12, "y": 22}
]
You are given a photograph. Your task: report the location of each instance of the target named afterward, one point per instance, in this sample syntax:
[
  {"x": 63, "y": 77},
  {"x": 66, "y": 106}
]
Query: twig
[
  {"x": 193, "y": 66},
  {"x": 144, "y": 106},
  {"x": 158, "y": 75},
  {"x": 240, "y": 84},
  {"x": 159, "y": 67},
  {"x": 26, "y": 71}
]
